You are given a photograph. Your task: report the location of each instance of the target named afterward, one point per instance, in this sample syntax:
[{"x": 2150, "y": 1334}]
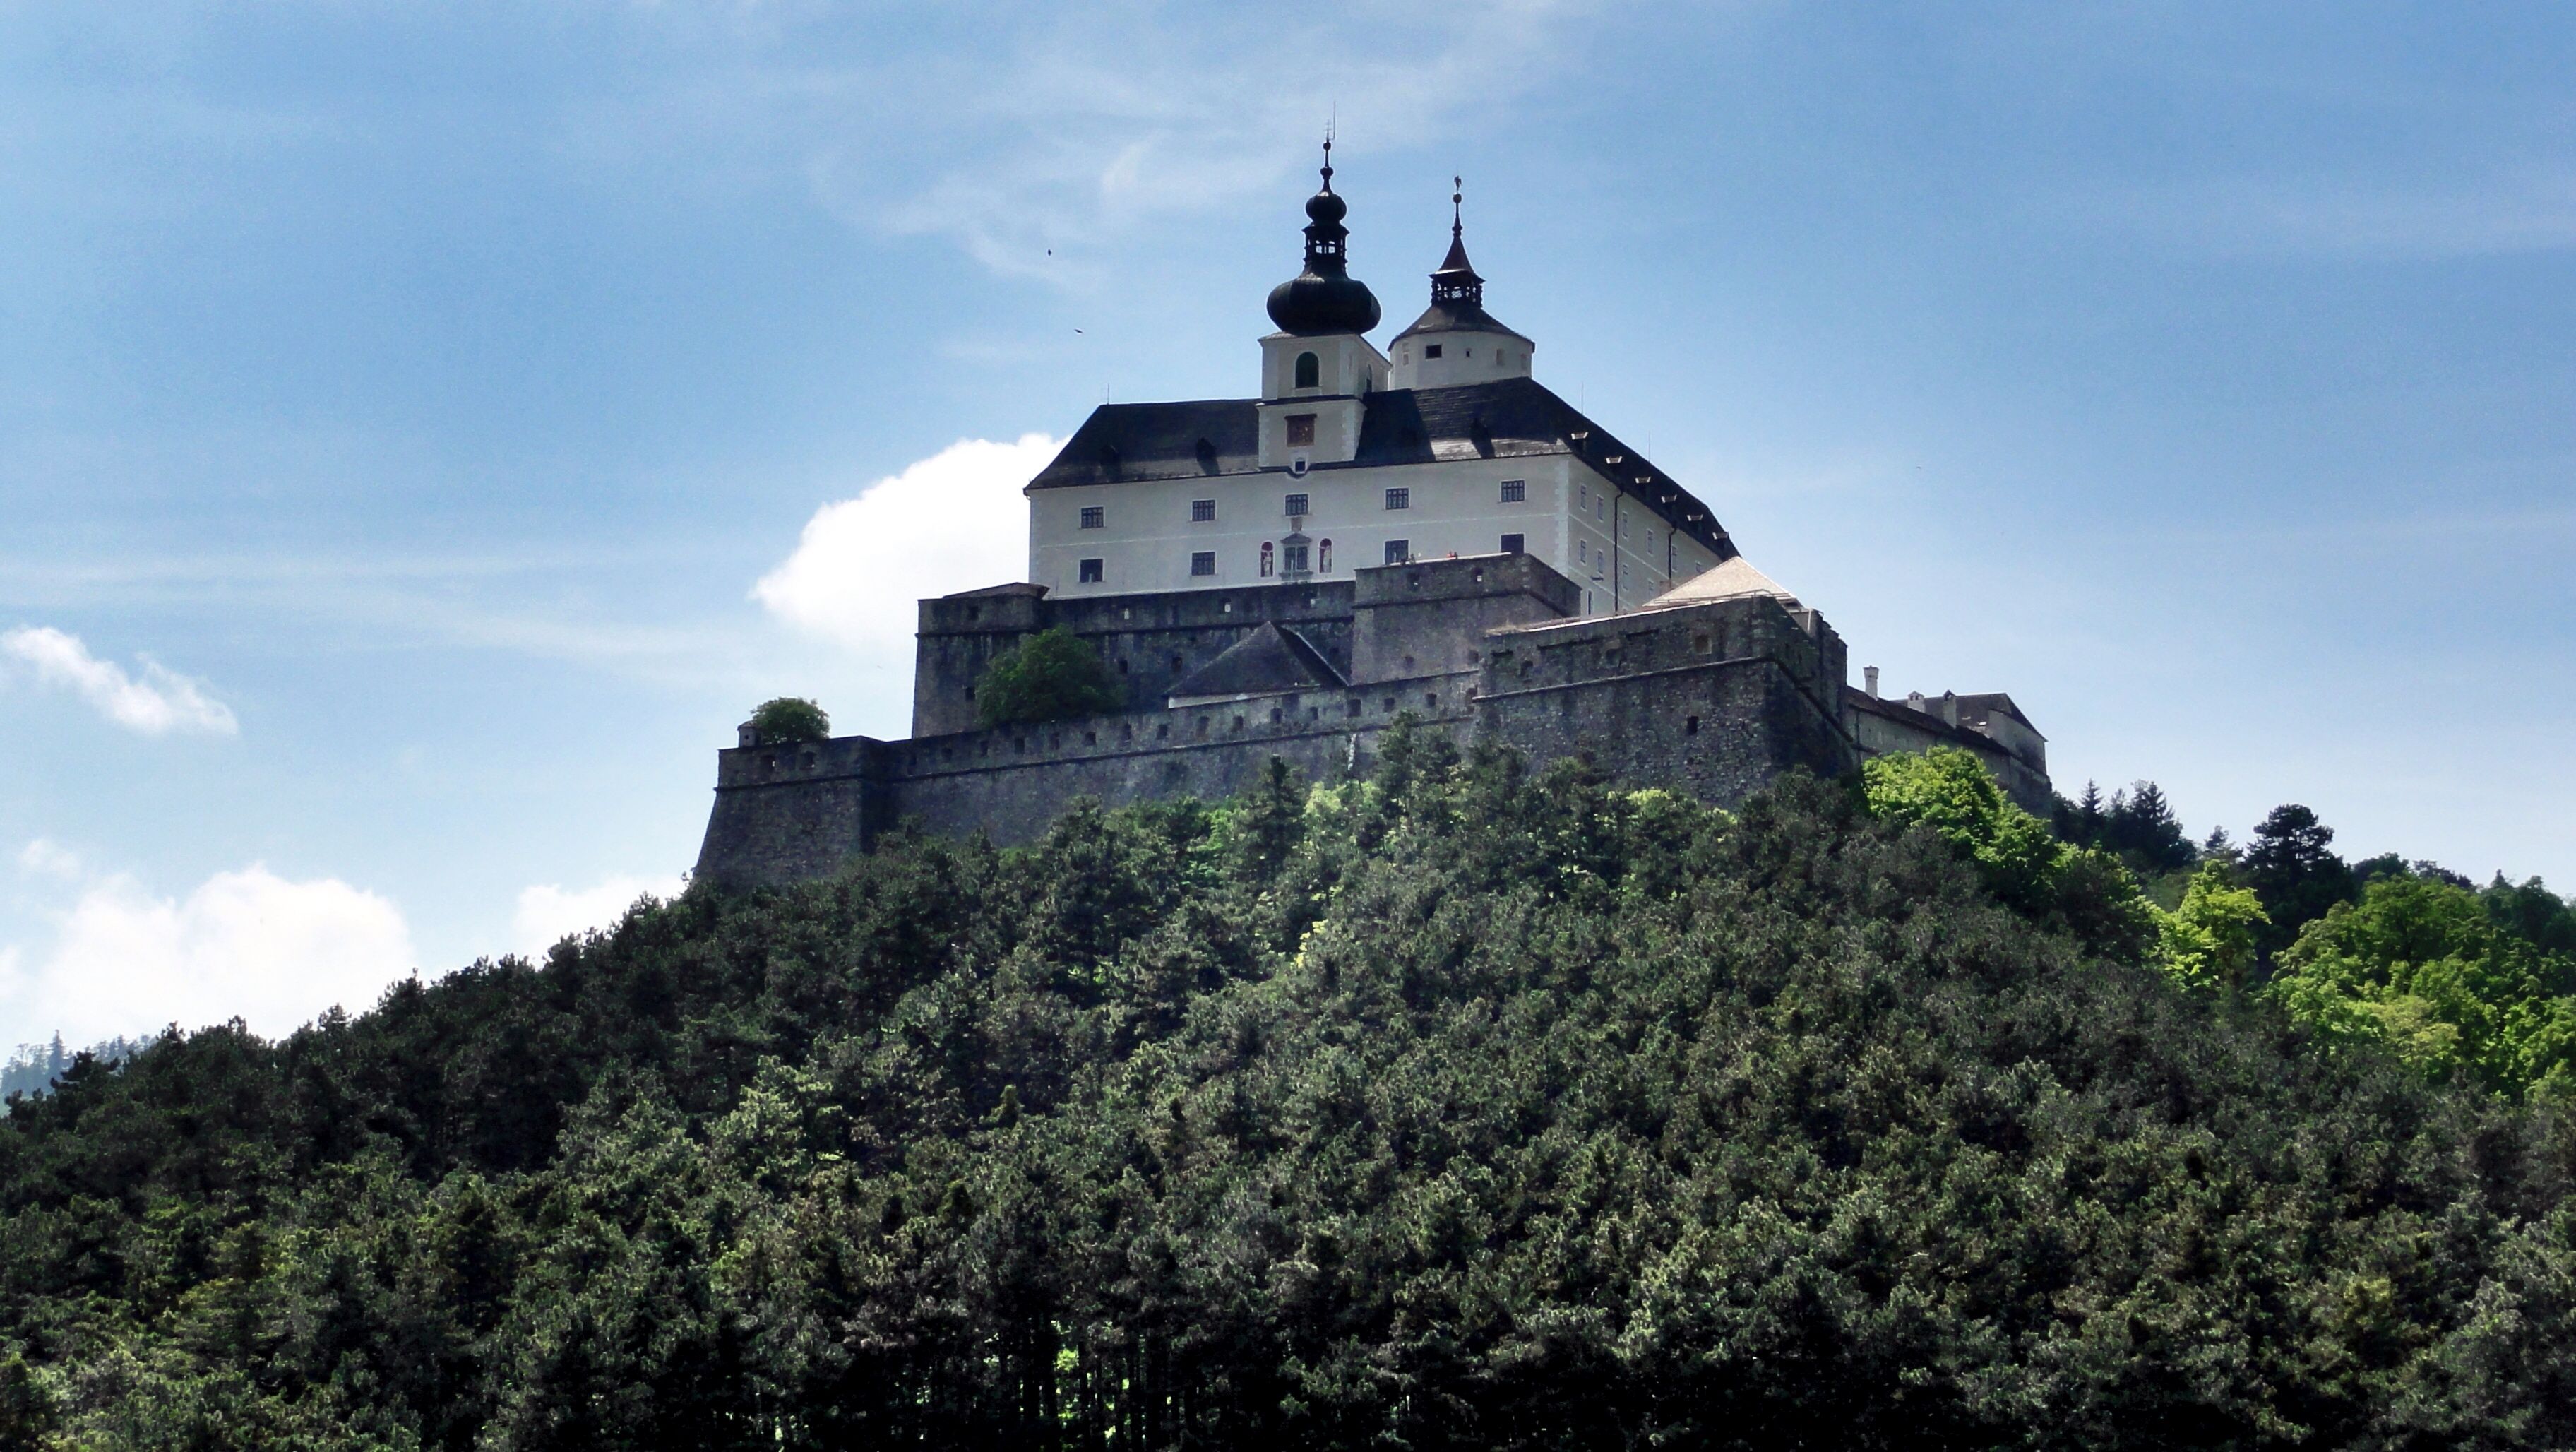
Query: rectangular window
[
  {"x": 1599, "y": 505},
  {"x": 1398, "y": 551},
  {"x": 1399, "y": 499},
  {"x": 1301, "y": 430},
  {"x": 1515, "y": 490},
  {"x": 1203, "y": 563},
  {"x": 1094, "y": 517},
  {"x": 1090, "y": 571},
  {"x": 1297, "y": 504},
  {"x": 1202, "y": 510},
  {"x": 1511, "y": 544},
  {"x": 1292, "y": 558},
  {"x": 1430, "y": 350}
]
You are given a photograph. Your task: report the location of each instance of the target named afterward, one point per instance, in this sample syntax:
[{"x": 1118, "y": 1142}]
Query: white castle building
[
  {"x": 1431, "y": 538},
  {"x": 1350, "y": 459}
]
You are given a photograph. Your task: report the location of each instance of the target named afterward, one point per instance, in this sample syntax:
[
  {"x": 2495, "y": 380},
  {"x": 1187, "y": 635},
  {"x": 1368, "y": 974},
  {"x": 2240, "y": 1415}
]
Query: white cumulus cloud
[
  {"x": 248, "y": 944},
  {"x": 548, "y": 914},
  {"x": 162, "y": 701},
  {"x": 954, "y": 521}
]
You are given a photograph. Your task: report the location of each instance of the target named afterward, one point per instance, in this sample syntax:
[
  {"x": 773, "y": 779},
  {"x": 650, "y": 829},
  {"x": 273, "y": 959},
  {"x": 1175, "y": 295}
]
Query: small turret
[{"x": 1455, "y": 340}]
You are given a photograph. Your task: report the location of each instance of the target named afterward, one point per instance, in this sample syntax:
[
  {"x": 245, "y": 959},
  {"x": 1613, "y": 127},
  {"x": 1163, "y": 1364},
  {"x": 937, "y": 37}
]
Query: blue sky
[{"x": 399, "y": 404}]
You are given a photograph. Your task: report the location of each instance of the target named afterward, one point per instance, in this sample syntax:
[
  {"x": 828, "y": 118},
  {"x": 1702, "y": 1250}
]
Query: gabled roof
[
  {"x": 1504, "y": 419},
  {"x": 1982, "y": 702},
  {"x": 1268, "y": 662}
]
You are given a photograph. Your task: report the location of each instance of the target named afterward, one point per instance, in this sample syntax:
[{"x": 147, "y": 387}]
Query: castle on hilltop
[{"x": 1432, "y": 532}]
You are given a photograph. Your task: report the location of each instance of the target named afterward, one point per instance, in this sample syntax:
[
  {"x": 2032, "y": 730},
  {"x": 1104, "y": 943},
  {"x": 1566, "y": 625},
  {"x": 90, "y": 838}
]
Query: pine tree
[{"x": 2292, "y": 867}]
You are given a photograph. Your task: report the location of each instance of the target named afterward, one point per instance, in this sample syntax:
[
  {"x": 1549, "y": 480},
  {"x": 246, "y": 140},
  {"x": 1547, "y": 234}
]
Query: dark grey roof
[
  {"x": 1976, "y": 706},
  {"x": 1447, "y": 317},
  {"x": 1124, "y": 441},
  {"x": 1505, "y": 419},
  {"x": 1268, "y": 662}
]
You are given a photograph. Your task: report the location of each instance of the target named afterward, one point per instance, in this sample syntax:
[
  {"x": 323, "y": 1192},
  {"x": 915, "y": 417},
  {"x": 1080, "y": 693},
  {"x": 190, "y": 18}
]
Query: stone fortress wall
[{"x": 1712, "y": 699}]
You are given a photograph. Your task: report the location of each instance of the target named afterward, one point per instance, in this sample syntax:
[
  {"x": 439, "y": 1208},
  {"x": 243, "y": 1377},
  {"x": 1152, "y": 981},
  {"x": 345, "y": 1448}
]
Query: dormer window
[{"x": 1310, "y": 371}]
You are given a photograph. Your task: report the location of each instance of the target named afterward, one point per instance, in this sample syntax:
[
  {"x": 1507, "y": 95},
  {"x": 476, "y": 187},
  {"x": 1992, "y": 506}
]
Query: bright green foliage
[
  {"x": 2420, "y": 965},
  {"x": 1464, "y": 1107},
  {"x": 1054, "y": 675},
  {"x": 2083, "y": 890},
  {"x": 2209, "y": 940},
  {"x": 788, "y": 719}
]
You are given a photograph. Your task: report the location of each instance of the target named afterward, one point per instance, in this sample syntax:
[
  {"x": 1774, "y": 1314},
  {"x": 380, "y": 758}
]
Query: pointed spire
[
  {"x": 1327, "y": 240},
  {"x": 1456, "y": 281}
]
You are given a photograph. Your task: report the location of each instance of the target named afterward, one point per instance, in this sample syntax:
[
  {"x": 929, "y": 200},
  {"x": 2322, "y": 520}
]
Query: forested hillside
[{"x": 1462, "y": 1107}]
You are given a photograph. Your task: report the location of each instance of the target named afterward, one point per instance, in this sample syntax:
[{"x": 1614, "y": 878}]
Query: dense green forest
[{"x": 1465, "y": 1106}]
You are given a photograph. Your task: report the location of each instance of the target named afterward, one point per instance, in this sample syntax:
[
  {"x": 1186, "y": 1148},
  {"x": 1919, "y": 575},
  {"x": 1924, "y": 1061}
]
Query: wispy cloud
[
  {"x": 159, "y": 703},
  {"x": 46, "y": 858},
  {"x": 2479, "y": 215},
  {"x": 1056, "y": 127}
]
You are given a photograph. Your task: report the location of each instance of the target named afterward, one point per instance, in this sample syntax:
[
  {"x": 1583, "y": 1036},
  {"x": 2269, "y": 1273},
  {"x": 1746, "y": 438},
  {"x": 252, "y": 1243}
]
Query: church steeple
[{"x": 1324, "y": 298}]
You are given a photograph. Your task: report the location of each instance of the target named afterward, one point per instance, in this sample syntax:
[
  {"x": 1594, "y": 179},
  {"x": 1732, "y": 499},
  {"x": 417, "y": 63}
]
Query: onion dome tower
[
  {"x": 1455, "y": 340},
  {"x": 1318, "y": 370},
  {"x": 1325, "y": 298}
]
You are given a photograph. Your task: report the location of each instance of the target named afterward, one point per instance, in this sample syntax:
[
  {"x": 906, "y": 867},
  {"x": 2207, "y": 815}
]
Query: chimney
[{"x": 1869, "y": 679}]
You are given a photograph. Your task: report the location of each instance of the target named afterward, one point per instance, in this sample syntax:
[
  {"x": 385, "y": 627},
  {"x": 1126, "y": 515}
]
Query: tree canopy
[
  {"x": 1458, "y": 1107},
  {"x": 787, "y": 719},
  {"x": 1054, "y": 675}
]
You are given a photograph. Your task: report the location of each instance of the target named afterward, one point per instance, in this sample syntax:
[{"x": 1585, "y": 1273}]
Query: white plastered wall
[{"x": 1571, "y": 517}]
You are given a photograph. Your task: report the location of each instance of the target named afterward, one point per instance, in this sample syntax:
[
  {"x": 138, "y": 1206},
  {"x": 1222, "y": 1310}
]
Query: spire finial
[
  {"x": 1457, "y": 207},
  {"x": 1328, "y": 156}
]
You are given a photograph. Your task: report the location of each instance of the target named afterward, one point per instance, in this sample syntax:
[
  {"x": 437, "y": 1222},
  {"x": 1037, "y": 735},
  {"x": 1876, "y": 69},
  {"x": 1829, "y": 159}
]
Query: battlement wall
[
  {"x": 1712, "y": 700},
  {"x": 784, "y": 813}
]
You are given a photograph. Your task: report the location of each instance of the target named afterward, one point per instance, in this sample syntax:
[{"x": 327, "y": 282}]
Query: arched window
[
  {"x": 1310, "y": 371},
  {"x": 1265, "y": 559},
  {"x": 1324, "y": 557}
]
